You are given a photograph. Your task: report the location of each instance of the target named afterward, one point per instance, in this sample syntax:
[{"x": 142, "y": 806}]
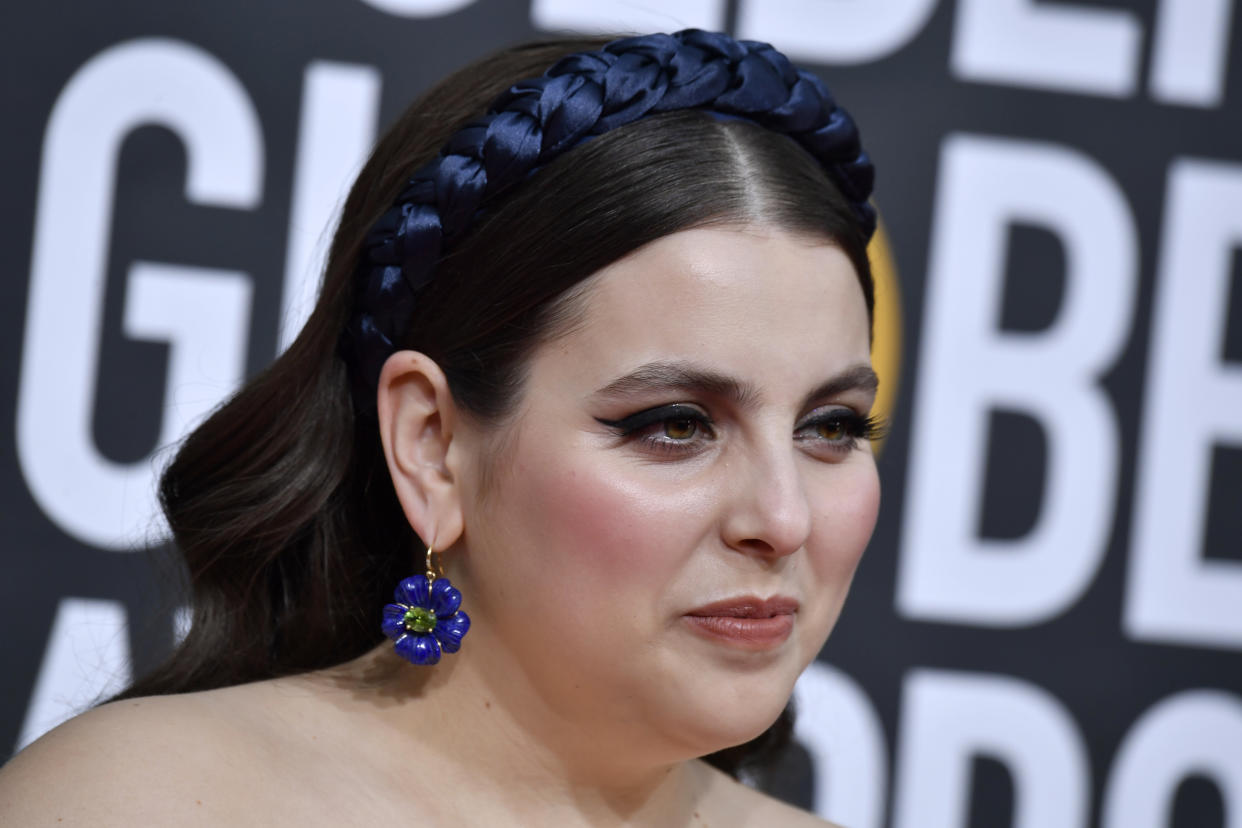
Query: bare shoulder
[
  {"x": 128, "y": 762},
  {"x": 745, "y": 806}
]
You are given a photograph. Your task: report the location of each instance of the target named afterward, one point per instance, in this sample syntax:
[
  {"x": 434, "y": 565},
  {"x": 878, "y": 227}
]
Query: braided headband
[{"x": 581, "y": 96}]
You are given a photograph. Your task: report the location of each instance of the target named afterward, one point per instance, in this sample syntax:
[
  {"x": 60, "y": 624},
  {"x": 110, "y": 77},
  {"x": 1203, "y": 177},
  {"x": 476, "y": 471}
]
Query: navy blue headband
[{"x": 581, "y": 96}]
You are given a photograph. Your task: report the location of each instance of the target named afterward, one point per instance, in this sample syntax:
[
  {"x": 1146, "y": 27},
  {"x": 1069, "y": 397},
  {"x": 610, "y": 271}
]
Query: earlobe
[{"x": 417, "y": 417}]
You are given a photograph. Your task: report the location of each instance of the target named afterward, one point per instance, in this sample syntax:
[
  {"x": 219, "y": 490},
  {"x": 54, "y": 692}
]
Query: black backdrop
[{"x": 1046, "y": 628}]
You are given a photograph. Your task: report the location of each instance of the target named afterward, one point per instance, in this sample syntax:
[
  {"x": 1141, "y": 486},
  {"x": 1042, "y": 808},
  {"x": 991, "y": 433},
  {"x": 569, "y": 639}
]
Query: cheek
[
  {"x": 605, "y": 526},
  {"x": 844, "y": 524}
]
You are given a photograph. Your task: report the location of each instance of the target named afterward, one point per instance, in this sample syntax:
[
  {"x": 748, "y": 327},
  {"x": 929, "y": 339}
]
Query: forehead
[{"x": 748, "y": 300}]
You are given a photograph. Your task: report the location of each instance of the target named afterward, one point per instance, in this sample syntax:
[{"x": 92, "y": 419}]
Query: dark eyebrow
[
  {"x": 678, "y": 376},
  {"x": 858, "y": 378}
]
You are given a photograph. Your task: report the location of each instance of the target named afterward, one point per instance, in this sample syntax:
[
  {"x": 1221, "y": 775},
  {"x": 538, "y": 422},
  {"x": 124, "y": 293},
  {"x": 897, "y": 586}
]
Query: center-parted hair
[{"x": 280, "y": 503}]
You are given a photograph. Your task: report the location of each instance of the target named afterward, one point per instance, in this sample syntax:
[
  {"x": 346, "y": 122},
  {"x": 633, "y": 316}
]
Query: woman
[{"x": 589, "y": 377}]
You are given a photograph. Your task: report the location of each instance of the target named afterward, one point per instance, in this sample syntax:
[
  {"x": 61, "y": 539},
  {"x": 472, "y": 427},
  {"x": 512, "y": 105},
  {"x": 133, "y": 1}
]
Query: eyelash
[
  {"x": 640, "y": 426},
  {"x": 856, "y": 427}
]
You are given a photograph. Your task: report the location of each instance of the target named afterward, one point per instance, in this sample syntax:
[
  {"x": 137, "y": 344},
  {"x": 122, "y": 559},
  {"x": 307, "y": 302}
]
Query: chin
[
  {"x": 731, "y": 715},
  {"x": 729, "y": 729},
  {"x": 738, "y": 695}
]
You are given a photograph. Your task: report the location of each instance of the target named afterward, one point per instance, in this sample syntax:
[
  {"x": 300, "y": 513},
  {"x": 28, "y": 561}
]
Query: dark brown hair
[{"x": 281, "y": 504}]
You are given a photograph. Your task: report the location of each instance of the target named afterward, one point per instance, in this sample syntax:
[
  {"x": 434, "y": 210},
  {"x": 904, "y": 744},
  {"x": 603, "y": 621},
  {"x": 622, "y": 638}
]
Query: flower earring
[{"x": 425, "y": 619}]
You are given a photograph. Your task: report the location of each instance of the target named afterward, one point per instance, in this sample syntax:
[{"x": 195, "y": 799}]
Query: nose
[{"x": 769, "y": 511}]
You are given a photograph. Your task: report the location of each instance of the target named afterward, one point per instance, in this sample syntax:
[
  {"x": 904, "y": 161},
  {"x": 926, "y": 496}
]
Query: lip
[{"x": 747, "y": 622}]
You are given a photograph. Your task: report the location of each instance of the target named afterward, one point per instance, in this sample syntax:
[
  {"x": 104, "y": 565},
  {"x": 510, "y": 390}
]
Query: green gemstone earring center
[{"x": 419, "y": 620}]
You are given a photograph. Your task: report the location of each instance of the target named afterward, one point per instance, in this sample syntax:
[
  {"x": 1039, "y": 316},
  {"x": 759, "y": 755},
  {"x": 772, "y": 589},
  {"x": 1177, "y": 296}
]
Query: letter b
[{"x": 970, "y": 367}]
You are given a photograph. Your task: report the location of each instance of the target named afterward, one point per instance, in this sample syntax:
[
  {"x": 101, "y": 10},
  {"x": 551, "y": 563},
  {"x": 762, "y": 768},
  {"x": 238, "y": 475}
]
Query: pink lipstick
[{"x": 747, "y": 622}]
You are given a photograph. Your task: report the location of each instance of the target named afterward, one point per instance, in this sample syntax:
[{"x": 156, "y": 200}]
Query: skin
[{"x": 582, "y": 693}]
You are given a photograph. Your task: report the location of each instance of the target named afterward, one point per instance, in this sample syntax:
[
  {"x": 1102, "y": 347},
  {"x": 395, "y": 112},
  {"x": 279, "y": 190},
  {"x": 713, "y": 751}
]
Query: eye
[
  {"x": 837, "y": 429},
  {"x": 668, "y": 428},
  {"x": 680, "y": 429},
  {"x": 833, "y": 429}
]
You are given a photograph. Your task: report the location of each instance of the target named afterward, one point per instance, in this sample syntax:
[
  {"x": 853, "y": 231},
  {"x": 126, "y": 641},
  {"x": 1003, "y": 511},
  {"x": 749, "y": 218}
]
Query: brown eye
[
  {"x": 680, "y": 429},
  {"x": 675, "y": 430},
  {"x": 832, "y": 429}
]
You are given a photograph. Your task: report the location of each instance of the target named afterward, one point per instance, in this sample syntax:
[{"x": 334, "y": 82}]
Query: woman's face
[{"x": 677, "y": 510}]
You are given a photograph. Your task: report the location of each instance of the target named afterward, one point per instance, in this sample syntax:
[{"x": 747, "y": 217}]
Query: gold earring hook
[{"x": 433, "y": 571}]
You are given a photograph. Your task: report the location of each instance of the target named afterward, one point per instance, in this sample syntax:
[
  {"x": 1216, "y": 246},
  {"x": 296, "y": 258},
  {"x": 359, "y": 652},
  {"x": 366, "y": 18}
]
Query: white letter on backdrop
[
  {"x": 828, "y": 32},
  {"x": 969, "y": 367},
  {"x": 340, "y": 104},
  {"x": 1190, "y": 51},
  {"x": 838, "y": 726},
  {"x": 204, "y": 315},
  {"x": 1194, "y": 732},
  {"x": 609, "y": 16},
  {"x": 87, "y": 659},
  {"x": 1194, "y": 399},
  {"x": 160, "y": 82},
  {"x": 1047, "y": 46},
  {"x": 948, "y": 719}
]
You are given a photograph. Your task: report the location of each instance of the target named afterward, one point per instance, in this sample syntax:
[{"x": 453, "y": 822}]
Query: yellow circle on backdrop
[{"x": 886, "y": 337}]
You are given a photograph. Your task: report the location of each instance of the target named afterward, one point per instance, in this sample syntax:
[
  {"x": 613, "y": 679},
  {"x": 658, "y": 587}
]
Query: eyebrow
[
  {"x": 857, "y": 378},
  {"x": 679, "y": 376}
]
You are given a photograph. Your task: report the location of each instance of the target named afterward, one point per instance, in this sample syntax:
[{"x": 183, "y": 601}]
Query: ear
[{"x": 416, "y": 420}]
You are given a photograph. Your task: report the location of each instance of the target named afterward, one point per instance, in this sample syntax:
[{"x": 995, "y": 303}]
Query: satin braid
[{"x": 584, "y": 95}]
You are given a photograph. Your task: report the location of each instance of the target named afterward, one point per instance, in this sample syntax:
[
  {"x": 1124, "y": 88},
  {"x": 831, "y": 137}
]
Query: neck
[{"x": 507, "y": 751}]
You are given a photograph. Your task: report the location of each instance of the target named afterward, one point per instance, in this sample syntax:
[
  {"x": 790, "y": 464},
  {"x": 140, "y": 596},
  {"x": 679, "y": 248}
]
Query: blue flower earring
[{"x": 425, "y": 620}]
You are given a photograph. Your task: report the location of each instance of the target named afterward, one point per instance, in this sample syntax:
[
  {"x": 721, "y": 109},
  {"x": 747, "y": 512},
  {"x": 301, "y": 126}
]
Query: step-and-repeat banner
[{"x": 1047, "y": 628}]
